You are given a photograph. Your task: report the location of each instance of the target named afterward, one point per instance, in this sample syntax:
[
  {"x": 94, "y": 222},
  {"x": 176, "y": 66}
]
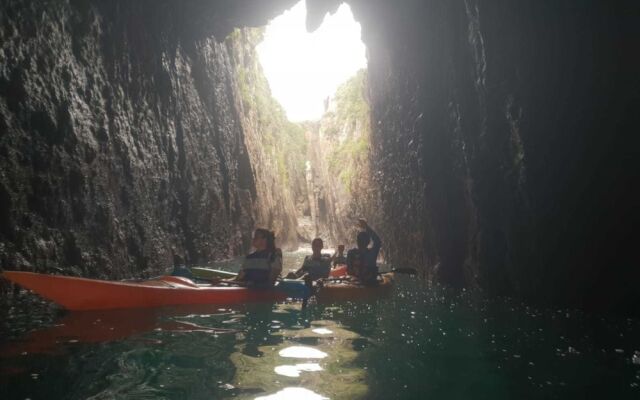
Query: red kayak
[{"x": 93, "y": 294}]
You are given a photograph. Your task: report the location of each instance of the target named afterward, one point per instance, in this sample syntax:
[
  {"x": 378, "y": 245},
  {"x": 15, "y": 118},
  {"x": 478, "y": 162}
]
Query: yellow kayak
[{"x": 346, "y": 290}]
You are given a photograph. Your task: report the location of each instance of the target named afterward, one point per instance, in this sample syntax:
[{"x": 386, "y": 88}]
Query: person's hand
[{"x": 362, "y": 223}]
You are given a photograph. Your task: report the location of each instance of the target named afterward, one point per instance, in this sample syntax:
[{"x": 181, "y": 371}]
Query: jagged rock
[
  {"x": 120, "y": 138},
  {"x": 501, "y": 137}
]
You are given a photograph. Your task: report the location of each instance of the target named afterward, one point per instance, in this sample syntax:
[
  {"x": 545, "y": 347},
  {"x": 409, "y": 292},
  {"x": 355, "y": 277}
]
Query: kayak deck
[{"x": 91, "y": 294}]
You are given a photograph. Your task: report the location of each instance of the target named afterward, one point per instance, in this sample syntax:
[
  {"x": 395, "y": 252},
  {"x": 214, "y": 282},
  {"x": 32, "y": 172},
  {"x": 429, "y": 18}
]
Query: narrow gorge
[{"x": 491, "y": 143}]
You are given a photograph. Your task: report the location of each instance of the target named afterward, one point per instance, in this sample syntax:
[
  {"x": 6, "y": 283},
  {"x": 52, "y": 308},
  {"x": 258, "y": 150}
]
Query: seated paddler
[
  {"x": 262, "y": 267},
  {"x": 338, "y": 257},
  {"x": 361, "y": 261},
  {"x": 315, "y": 266}
]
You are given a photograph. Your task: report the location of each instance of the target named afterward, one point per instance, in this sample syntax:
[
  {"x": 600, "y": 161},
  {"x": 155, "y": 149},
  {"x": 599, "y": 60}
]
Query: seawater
[{"x": 421, "y": 342}]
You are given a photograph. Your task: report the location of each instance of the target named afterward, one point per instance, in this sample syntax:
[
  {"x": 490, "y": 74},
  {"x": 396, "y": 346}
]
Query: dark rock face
[
  {"x": 120, "y": 139},
  {"x": 503, "y": 141}
]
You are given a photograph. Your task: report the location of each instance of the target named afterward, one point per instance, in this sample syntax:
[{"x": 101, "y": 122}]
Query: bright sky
[{"x": 305, "y": 68}]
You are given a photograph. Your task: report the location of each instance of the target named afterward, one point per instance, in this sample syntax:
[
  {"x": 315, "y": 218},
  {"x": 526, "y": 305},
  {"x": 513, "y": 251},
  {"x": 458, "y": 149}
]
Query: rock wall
[
  {"x": 503, "y": 138},
  {"x": 276, "y": 146},
  {"x": 339, "y": 150},
  {"x": 120, "y": 137},
  {"x": 503, "y": 143}
]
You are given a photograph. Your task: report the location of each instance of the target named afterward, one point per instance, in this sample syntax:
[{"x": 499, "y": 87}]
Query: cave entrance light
[{"x": 304, "y": 69}]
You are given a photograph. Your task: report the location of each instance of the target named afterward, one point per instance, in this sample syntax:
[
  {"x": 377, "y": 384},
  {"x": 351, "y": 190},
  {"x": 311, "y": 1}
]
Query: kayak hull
[
  {"x": 347, "y": 291},
  {"x": 91, "y": 294}
]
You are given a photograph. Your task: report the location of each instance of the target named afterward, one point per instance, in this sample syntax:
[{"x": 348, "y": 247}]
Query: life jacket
[
  {"x": 257, "y": 270},
  {"x": 317, "y": 268},
  {"x": 357, "y": 266}
]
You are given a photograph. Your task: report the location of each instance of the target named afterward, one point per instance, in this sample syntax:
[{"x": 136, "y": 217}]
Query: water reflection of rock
[{"x": 319, "y": 358}]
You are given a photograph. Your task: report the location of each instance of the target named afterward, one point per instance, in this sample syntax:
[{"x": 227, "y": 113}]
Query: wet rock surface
[
  {"x": 120, "y": 138},
  {"x": 339, "y": 169},
  {"x": 275, "y": 146},
  {"x": 500, "y": 144}
]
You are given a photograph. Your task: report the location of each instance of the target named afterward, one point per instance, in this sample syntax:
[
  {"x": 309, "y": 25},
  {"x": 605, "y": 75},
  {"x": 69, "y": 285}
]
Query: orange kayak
[
  {"x": 92, "y": 294},
  {"x": 334, "y": 291},
  {"x": 338, "y": 271}
]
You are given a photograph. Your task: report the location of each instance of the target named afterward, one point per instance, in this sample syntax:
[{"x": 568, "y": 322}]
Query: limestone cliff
[
  {"x": 121, "y": 140},
  {"x": 276, "y": 147},
  {"x": 339, "y": 162}
]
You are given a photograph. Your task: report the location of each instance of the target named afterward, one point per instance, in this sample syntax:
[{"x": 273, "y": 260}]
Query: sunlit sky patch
[{"x": 302, "y": 68}]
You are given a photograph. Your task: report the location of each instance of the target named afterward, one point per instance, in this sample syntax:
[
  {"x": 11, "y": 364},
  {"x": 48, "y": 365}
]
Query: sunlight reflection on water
[
  {"x": 293, "y": 371},
  {"x": 411, "y": 345},
  {"x": 302, "y": 352}
]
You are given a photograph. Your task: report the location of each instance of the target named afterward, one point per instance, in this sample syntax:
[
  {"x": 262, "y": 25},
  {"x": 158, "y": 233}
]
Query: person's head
[
  {"x": 340, "y": 248},
  {"x": 316, "y": 246},
  {"x": 264, "y": 239},
  {"x": 363, "y": 239}
]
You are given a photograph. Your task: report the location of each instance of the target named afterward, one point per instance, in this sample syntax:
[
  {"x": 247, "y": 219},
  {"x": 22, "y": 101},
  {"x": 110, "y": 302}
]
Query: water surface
[{"x": 419, "y": 343}]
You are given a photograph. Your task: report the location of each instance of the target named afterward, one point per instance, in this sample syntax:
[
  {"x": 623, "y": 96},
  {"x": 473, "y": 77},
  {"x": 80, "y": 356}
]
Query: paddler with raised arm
[{"x": 361, "y": 261}]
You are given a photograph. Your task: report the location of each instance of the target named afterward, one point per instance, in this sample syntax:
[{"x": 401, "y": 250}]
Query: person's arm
[
  {"x": 300, "y": 272},
  {"x": 276, "y": 267},
  {"x": 305, "y": 267},
  {"x": 377, "y": 243},
  {"x": 241, "y": 273}
]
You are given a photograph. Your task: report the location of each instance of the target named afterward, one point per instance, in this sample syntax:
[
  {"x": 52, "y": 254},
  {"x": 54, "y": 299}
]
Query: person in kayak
[
  {"x": 262, "y": 267},
  {"x": 361, "y": 261},
  {"x": 315, "y": 266},
  {"x": 338, "y": 257}
]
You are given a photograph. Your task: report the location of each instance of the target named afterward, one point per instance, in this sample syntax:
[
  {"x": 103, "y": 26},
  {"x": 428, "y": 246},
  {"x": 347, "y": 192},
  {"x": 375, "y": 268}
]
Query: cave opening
[
  {"x": 497, "y": 137},
  {"x": 491, "y": 144},
  {"x": 315, "y": 81}
]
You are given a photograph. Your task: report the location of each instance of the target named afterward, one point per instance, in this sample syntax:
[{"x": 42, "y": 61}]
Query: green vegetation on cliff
[
  {"x": 283, "y": 141},
  {"x": 348, "y": 123}
]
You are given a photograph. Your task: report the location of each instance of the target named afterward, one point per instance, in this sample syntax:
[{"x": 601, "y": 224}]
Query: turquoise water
[{"x": 421, "y": 342}]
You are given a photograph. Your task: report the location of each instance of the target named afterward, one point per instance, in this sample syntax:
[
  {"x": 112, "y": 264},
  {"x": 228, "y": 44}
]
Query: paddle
[{"x": 292, "y": 288}]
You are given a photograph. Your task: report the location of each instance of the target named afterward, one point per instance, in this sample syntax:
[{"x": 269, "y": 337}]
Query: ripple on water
[
  {"x": 302, "y": 352},
  {"x": 293, "y": 393}
]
